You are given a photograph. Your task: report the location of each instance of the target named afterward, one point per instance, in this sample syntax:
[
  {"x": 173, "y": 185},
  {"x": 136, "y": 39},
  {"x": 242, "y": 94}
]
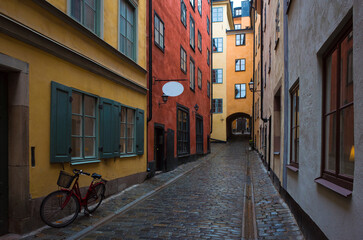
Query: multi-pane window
[
  {"x": 127, "y": 29},
  {"x": 192, "y": 3},
  {"x": 83, "y": 126},
  {"x": 192, "y": 32},
  {"x": 240, "y": 65},
  {"x": 217, "y": 14},
  {"x": 208, "y": 88},
  {"x": 217, "y": 105},
  {"x": 199, "y": 133},
  {"x": 237, "y": 26},
  {"x": 338, "y": 114},
  {"x": 240, "y": 90},
  {"x": 217, "y": 44},
  {"x": 183, "y": 131},
  {"x": 240, "y": 39},
  {"x": 183, "y": 13},
  {"x": 217, "y": 76},
  {"x": 183, "y": 60},
  {"x": 191, "y": 74},
  {"x": 238, "y": 12},
  {"x": 127, "y": 131},
  {"x": 199, "y": 79},
  {"x": 200, "y": 7},
  {"x": 87, "y": 12},
  {"x": 295, "y": 129},
  {"x": 208, "y": 57},
  {"x": 159, "y": 32},
  {"x": 208, "y": 25},
  {"x": 199, "y": 41}
]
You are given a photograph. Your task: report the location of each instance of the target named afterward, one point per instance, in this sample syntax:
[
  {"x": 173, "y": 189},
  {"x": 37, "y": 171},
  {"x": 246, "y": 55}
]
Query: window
[
  {"x": 199, "y": 79},
  {"x": 237, "y": 26},
  {"x": 237, "y": 12},
  {"x": 217, "y": 44},
  {"x": 217, "y": 14},
  {"x": 199, "y": 41},
  {"x": 200, "y": 7},
  {"x": 192, "y": 3},
  {"x": 208, "y": 88},
  {"x": 86, "y": 128},
  {"x": 295, "y": 129},
  {"x": 83, "y": 126},
  {"x": 192, "y": 33},
  {"x": 240, "y": 65},
  {"x": 217, "y": 76},
  {"x": 208, "y": 57},
  {"x": 127, "y": 29},
  {"x": 338, "y": 113},
  {"x": 183, "y": 131},
  {"x": 159, "y": 32},
  {"x": 240, "y": 39},
  {"x": 240, "y": 90},
  {"x": 208, "y": 25},
  {"x": 191, "y": 74},
  {"x": 87, "y": 13},
  {"x": 217, "y": 106},
  {"x": 183, "y": 13},
  {"x": 199, "y": 133},
  {"x": 183, "y": 60}
]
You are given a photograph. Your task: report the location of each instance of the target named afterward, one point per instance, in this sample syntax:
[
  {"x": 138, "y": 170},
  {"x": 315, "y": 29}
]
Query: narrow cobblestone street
[{"x": 205, "y": 201}]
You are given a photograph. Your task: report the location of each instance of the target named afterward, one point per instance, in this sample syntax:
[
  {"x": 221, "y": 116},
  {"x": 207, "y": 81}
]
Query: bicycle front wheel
[
  {"x": 59, "y": 208},
  {"x": 95, "y": 196}
]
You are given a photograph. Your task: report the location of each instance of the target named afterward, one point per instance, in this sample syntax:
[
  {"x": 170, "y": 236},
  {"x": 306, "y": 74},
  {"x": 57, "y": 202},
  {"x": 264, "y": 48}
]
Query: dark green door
[{"x": 3, "y": 154}]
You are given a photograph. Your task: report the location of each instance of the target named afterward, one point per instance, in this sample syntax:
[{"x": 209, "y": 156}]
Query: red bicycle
[{"x": 60, "y": 208}]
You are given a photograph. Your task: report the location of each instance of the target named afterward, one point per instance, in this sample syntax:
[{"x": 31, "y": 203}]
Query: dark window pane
[
  {"x": 347, "y": 141},
  {"x": 330, "y": 142}
]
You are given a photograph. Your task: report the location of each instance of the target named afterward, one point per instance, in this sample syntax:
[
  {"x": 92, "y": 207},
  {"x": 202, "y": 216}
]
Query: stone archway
[{"x": 243, "y": 124}]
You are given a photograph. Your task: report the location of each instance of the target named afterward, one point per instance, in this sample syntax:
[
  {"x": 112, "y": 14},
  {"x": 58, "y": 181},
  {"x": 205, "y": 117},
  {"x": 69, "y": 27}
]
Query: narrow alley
[{"x": 205, "y": 199}]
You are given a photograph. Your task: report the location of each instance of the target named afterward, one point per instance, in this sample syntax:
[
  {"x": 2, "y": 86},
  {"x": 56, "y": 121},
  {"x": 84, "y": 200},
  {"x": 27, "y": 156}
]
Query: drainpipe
[
  {"x": 253, "y": 75},
  {"x": 211, "y": 68},
  {"x": 286, "y": 96},
  {"x": 150, "y": 116}
]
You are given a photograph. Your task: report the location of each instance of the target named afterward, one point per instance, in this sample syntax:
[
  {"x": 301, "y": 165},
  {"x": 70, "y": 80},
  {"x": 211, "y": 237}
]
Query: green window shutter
[
  {"x": 109, "y": 128},
  {"x": 139, "y": 131},
  {"x": 60, "y": 123}
]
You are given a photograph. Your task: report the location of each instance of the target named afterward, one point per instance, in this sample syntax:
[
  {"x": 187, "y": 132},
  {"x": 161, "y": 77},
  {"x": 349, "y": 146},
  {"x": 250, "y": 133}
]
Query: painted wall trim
[
  {"x": 73, "y": 23},
  {"x": 23, "y": 33}
]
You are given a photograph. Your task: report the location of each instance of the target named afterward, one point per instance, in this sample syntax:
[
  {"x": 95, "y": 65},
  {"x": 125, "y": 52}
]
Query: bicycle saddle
[{"x": 95, "y": 175}]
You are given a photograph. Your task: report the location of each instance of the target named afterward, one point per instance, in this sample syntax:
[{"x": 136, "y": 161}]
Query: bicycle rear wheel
[
  {"x": 59, "y": 208},
  {"x": 95, "y": 197}
]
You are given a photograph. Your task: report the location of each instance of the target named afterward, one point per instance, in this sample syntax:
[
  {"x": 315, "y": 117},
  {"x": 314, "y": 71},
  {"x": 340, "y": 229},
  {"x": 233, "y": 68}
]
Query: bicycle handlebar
[{"x": 77, "y": 171}]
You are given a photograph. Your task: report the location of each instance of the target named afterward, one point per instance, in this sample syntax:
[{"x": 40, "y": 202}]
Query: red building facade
[{"x": 179, "y": 50}]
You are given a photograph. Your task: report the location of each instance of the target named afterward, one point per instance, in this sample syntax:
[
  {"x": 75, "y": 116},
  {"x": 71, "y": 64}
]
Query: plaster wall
[
  {"x": 220, "y": 62},
  {"x": 338, "y": 217}
]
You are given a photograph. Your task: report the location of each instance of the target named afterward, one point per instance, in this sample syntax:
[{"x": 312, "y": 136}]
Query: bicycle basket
[{"x": 65, "y": 179}]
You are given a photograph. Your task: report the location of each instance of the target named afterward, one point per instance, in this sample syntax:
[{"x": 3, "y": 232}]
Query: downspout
[
  {"x": 253, "y": 75},
  {"x": 286, "y": 95},
  {"x": 211, "y": 68},
  {"x": 150, "y": 116}
]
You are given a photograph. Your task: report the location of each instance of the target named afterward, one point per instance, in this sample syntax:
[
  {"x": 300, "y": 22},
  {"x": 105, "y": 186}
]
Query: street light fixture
[{"x": 165, "y": 99}]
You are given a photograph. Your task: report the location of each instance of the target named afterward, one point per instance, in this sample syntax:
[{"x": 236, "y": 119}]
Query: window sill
[
  {"x": 128, "y": 155},
  {"x": 84, "y": 161},
  {"x": 335, "y": 188},
  {"x": 292, "y": 168}
]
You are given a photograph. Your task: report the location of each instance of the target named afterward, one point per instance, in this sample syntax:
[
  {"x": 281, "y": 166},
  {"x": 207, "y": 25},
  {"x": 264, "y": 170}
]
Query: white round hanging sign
[{"x": 173, "y": 89}]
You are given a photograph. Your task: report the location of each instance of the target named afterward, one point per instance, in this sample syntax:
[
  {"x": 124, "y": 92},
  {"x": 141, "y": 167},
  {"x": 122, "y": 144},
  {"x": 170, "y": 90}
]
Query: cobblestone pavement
[{"x": 205, "y": 203}]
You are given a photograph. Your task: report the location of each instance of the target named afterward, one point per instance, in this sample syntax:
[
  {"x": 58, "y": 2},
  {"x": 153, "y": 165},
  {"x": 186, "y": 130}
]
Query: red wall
[{"x": 166, "y": 65}]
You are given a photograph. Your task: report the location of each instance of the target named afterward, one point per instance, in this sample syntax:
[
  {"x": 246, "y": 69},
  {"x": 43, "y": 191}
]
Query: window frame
[
  {"x": 208, "y": 89},
  {"x": 215, "y": 17},
  {"x": 199, "y": 42},
  {"x": 294, "y": 126},
  {"x": 183, "y": 7},
  {"x": 215, "y": 105},
  {"x": 240, "y": 87},
  {"x": 217, "y": 70},
  {"x": 184, "y": 134},
  {"x": 162, "y": 48},
  {"x": 192, "y": 3},
  {"x": 335, "y": 177},
  {"x": 208, "y": 57},
  {"x": 186, "y": 67},
  {"x": 240, "y": 70},
  {"x": 200, "y": 79},
  {"x": 208, "y": 25},
  {"x": 199, "y": 143},
  {"x": 240, "y": 39},
  {"x": 191, "y": 34},
  {"x": 191, "y": 74},
  {"x": 200, "y": 7},
  {"x": 134, "y": 132},
  {"x": 239, "y": 27},
  {"x": 134, "y": 50},
  {"x": 216, "y": 40}
]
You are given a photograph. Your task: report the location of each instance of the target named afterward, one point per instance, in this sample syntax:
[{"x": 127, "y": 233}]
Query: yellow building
[
  {"x": 232, "y": 70},
  {"x": 222, "y": 20},
  {"x": 73, "y": 95}
]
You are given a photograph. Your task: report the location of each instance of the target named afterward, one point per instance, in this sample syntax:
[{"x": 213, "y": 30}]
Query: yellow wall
[
  {"x": 220, "y": 62},
  {"x": 234, "y": 52},
  {"x": 45, "y": 67}
]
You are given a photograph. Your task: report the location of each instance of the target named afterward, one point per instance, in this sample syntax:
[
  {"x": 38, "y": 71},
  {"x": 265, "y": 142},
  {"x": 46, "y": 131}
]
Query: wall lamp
[
  {"x": 165, "y": 99},
  {"x": 196, "y": 108},
  {"x": 251, "y": 86}
]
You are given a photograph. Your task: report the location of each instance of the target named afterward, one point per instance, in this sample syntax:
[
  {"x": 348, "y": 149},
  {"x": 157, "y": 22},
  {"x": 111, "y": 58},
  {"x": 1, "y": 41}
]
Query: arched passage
[{"x": 238, "y": 124}]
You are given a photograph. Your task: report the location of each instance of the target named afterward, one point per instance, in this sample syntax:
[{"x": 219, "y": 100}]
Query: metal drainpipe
[
  {"x": 211, "y": 67},
  {"x": 150, "y": 116},
  {"x": 253, "y": 77},
  {"x": 286, "y": 96}
]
